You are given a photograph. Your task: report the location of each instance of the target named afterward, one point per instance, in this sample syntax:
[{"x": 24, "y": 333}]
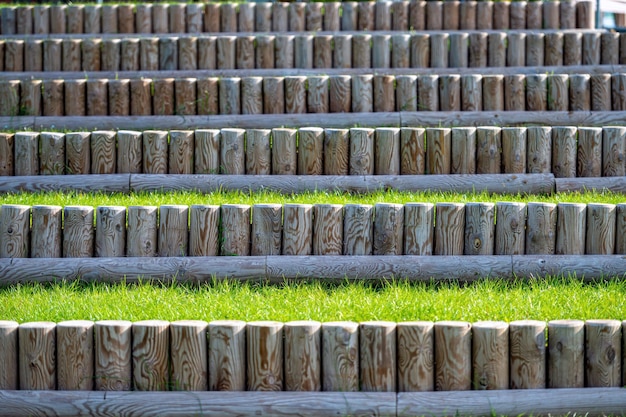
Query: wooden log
[
  {"x": 245, "y": 17},
  {"x": 603, "y": 350},
  {"x": 252, "y": 95},
  {"x": 129, "y": 155},
  {"x": 92, "y": 16},
  {"x": 203, "y": 230},
  {"x": 570, "y": 229},
  {"x": 46, "y": 232},
  {"x": 226, "y": 56},
  {"x": 439, "y": 50},
  {"x": 126, "y": 18},
  {"x": 412, "y": 152},
  {"x": 600, "y": 92},
  {"x": 140, "y": 97},
  {"x": 189, "y": 365},
  {"x": 296, "y": 17},
  {"x": 362, "y": 94},
  {"x": 111, "y": 55},
  {"x": 572, "y": 48},
  {"x": 340, "y": 94},
  {"x": 490, "y": 355},
  {"x": 303, "y": 51},
  {"x": 322, "y": 51},
  {"x": 418, "y": 229},
  {"x": 591, "y": 49},
  {"x": 516, "y": 48},
  {"x": 427, "y": 93},
  {"x": 366, "y": 19},
  {"x": 303, "y": 360},
  {"x": 58, "y": 23},
  {"x": 9, "y": 349},
  {"x": 207, "y": 52},
  {"x": 514, "y": 149},
  {"x": 589, "y": 153},
  {"x": 557, "y": 92},
  {"x": 150, "y": 355},
  {"x": 78, "y": 232},
  {"x": 295, "y": 94},
  {"x": 229, "y": 95},
  {"x": 26, "y": 153},
  {"x": 453, "y": 356},
  {"x": 618, "y": 93},
  {"x": 416, "y": 359},
  {"x": 258, "y": 153},
  {"x": 32, "y": 59},
  {"x": 585, "y": 15},
  {"x": 235, "y": 229},
  {"x": 438, "y": 150},
  {"x": 417, "y": 15},
  {"x": 496, "y": 49},
  {"x": 420, "y": 50},
  {"x": 514, "y": 92},
  {"x": 553, "y": 49},
  {"x": 187, "y": 54},
  {"x": 450, "y": 92},
  {"x": 535, "y": 49},
  {"x": 564, "y": 151},
  {"x": 340, "y": 352},
  {"x": 387, "y": 151},
  {"x": 388, "y": 229},
  {"x": 566, "y": 354},
  {"x": 361, "y": 159},
  {"x": 381, "y": 51},
  {"x": 228, "y": 17},
  {"x": 484, "y": 15},
  {"x": 185, "y": 97},
  {"x": 227, "y": 355},
  {"x": 601, "y": 220},
  {"x": 434, "y": 13},
  {"x": 7, "y": 152},
  {"x": 264, "y": 340},
  {"x": 479, "y": 229},
  {"x": 263, "y": 17},
  {"x": 488, "y": 150},
  {"x": 536, "y": 92},
  {"x": 70, "y": 57},
  {"x": 609, "y": 47},
  {"x": 30, "y": 97},
  {"x": 449, "y": 231},
  {"x": 37, "y": 356},
  {"x": 206, "y": 151},
  {"x": 24, "y": 19},
  {"x": 74, "y": 102},
  {"x": 103, "y": 152},
  {"x": 52, "y": 98},
  {"x": 41, "y": 19},
  {"x": 358, "y": 229},
  {"x": 142, "y": 231},
  {"x": 384, "y": 93},
  {"x": 143, "y": 18},
  {"x": 310, "y": 151},
  {"x": 620, "y": 229},
  {"x": 567, "y": 15},
  {"x": 539, "y": 149},
  {"x": 613, "y": 151},
  {"x": 52, "y": 153},
  {"x": 297, "y": 229},
  {"x": 527, "y": 354},
  {"x": 327, "y": 229},
  {"x": 109, "y": 18},
  {"x": 478, "y": 50},
  {"x": 377, "y": 351},
  {"x": 212, "y": 17},
  {"x": 110, "y": 231},
  {"x": 173, "y": 230},
  {"x": 245, "y": 52},
  {"x": 149, "y": 54},
  {"x": 232, "y": 151},
  {"x": 336, "y": 151},
  {"x": 510, "y": 235},
  {"x": 207, "y": 95},
  {"x": 75, "y": 361},
  {"x": 459, "y": 51},
  {"x": 342, "y": 51},
  {"x": 579, "y": 92},
  {"x": 493, "y": 92},
  {"x": 318, "y": 97},
  {"x": 14, "y": 231},
  {"x": 541, "y": 228},
  {"x": 119, "y": 97},
  {"x": 551, "y": 15},
  {"x": 313, "y": 19},
  {"x": 361, "y": 51},
  {"x": 155, "y": 152},
  {"x": 91, "y": 56},
  {"x": 406, "y": 93},
  {"x": 284, "y": 151},
  {"x": 265, "y": 55},
  {"x": 266, "y": 229}
]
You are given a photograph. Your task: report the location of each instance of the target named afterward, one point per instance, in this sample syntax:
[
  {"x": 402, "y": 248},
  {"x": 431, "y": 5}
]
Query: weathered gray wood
[
  {"x": 479, "y": 229},
  {"x": 603, "y": 349},
  {"x": 600, "y": 229},
  {"x": 510, "y": 234},
  {"x": 235, "y": 229},
  {"x": 377, "y": 351},
  {"x": 150, "y": 355},
  {"x": 340, "y": 350},
  {"x": 78, "y": 232},
  {"x": 589, "y": 153},
  {"x": 449, "y": 229},
  {"x": 327, "y": 229},
  {"x": 418, "y": 229},
  {"x": 514, "y": 149},
  {"x": 303, "y": 355},
  {"x": 14, "y": 231},
  {"x": 173, "y": 230},
  {"x": 490, "y": 355},
  {"x": 45, "y": 234},
  {"x": 438, "y": 154},
  {"x": 613, "y": 151},
  {"x": 571, "y": 228},
  {"x": 37, "y": 356},
  {"x": 189, "y": 359},
  {"x": 284, "y": 151},
  {"x": 388, "y": 229},
  {"x": 266, "y": 229},
  {"x": 227, "y": 355},
  {"x": 412, "y": 152},
  {"x": 453, "y": 356},
  {"x": 541, "y": 228},
  {"x": 539, "y": 149},
  {"x": 141, "y": 233},
  {"x": 8, "y": 346},
  {"x": 297, "y": 229},
  {"x": 74, "y": 344},
  {"x": 110, "y": 238},
  {"x": 265, "y": 369},
  {"x": 566, "y": 346},
  {"x": 204, "y": 230}
]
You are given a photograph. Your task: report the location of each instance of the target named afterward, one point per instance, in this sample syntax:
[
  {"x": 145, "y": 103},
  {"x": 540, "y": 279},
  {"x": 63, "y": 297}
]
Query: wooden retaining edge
[
  {"x": 107, "y": 183},
  {"x": 277, "y": 269},
  {"x": 580, "y": 184},
  {"x": 585, "y": 401}
]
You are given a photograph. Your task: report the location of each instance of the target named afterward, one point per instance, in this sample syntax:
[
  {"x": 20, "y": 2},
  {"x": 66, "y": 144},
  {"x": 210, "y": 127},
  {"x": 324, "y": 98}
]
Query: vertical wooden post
[
  {"x": 91, "y": 54},
  {"x": 406, "y": 93},
  {"x": 232, "y": 152},
  {"x": 30, "y": 98},
  {"x": 160, "y": 18},
  {"x": 78, "y": 232},
  {"x": 366, "y": 18},
  {"x": 226, "y": 57},
  {"x": 557, "y": 92},
  {"x": 264, "y": 340},
  {"x": 303, "y": 51},
  {"x": 450, "y": 92},
  {"x": 14, "y": 231},
  {"x": 453, "y": 356},
  {"x": 585, "y": 14},
  {"x": 284, "y": 151},
  {"x": 579, "y": 92},
  {"x": 245, "y": 17},
  {"x": 336, "y": 151},
  {"x": 295, "y": 94},
  {"x": 310, "y": 151},
  {"x": 601, "y": 220},
  {"x": 244, "y": 56},
  {"x": 297, "y": 229},
  {"x": 536, "y": 92},
  {"x": 273, "y": 95},
  {"x": 490, "y": 355},
  {"x": 41, "y": 19},
  {"x": 449, "y": 229},
  {"x": 327, "y": 229},
  {"x": 228, "y": 16},
  {"x": 318, "y": 94},
  {"x": 207, "y": 95},
  {"x": 207, "y": 52},
  {"x": 340, "y": 94},
  {"x": 229, "y": 95},
  {"x": 514, "y": 92},
  {"x": 188, "y": 349},
  {"x": 514, "y": 150},
  {"x": 52, "y": 153},
  {"x": 417, "y": 15},
  {"x": 140, "y": 97},
  {"x": 265, "y": 52},
  {"x": 534, "y": 15},
  {"x": 7, "y": 153},
  {"x": 149, "y": 54},
  {"x": 618, "y": 93},
  {"x": 227, "y": 355},
  {"x": 412, "y": 152},
  {"x": 357, "y": 229},
  {"x": 235, "y": 232},
  {"x": 589, "y": 154},
  {"x": 361, "y": 51},
  {"x": 387, "y": 151},
  {"x": 129, "y": 144},
  {"x": 428, "y": 93},
  {"x": 37, "y": 356},
  {"x": 603, "y": 353},
  {"x": 591, "y": 48},
  {"x": 340, "y": 356},
  {"x": 109, "y": 18},
  {"x": 103, "y": 152},
  {"x": 459, "y": 50},
  {"x": 527, "y": 341},
  {"x": 572, "y": 48},
  {"x": 71, "y": 59},
  {"x": 322, "y": 51},
  {"x": 303, "y": 356},
  {"x": 313, "y": 13},
  {"x": 45, "y": 234},
  {"x": 119, "y": 97},
  {"x": 361, "y": 151},
  {"x": 111, "y": 55},
  {"x": 267, "y": 229},
  {"x": 539, "y": 150},
  {"x": 52, "y": 98},
  {"x": 92, "y": 15},
  {"x": 418, "y": 228},
  {"x": 332, "y": 16},
  {"x": 601, "y": 92},
  {"x": 571, "y": 228},
  {"x": 620, "y": 229},
  {"x": 471, "y": 92},
  {"x": 143, "y": 18},
  {"x": 75, "y": 359},
  {"x": 388, "y": 229},
  {"x": 173, "y": 230},
  {"x": 342, "y": 51},
  {"x": 155, "y": 153},
  {"x": 110, "y": 231},
  {"x": 74, "y": 104},
  {"x": 187, "y": 54},
  {"x": 438, "y": 152},
  {"x": 510, "y": 225},
  {"x": 613, "y": 151},
  {"x": 564, "y": 151},
  {"x": 609, "y": 46},
  {"x": 377, "y": 351},
  {"x": 26, "y": 153},
  {"x": 258, "y": 156},
  {"x": 381, "y": 51},
  {"x": 420, "y": 50},
  {"x": 206, "y": 151},
  {"x": 141, "y": 235},
  {"x": 263, "y": 17},
  {"x": 516, "y": 48},
  {"x": 151, "y": 354},
  {"x": 484, "y": 15},
  {"x": 439, "y": 50},
  {"x": 541, "y": 228},
  {"x": 488, "y": 150},
  {"x": 126, "y": 18},
  {"x": 204, "y": 230},
  {"x": 434, "y": 15},
  {"x": 535, "y": 49},
  {"x": 479, "y": 229},
  {"x": 496, "y": 52},
  {"x": 212, "y": 17},
  {"x": 58, "y": 23},
  {"x": 416, "y": 356},
  {"x": 24, "y": 19},
  {"x": 553, "y": 49},
  {"x": 362, "y": 93},
  {"x": 181, "y": 147},
  {"x": 33, "y": 56},
  {"x": 9, "y": 372},
  {"x": 566, "y": 354}
]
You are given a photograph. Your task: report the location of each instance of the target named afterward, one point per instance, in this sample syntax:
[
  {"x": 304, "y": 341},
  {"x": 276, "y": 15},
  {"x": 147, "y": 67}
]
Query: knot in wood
[
  {"x": 514, "y": 224},
  {"x": 610, "y": 354},
  {"x": 477, "y": 243},
  {"x": 559, "y": 346}
]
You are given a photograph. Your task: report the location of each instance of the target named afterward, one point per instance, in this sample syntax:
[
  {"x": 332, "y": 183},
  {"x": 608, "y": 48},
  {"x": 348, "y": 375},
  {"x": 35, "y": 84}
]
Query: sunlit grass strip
[{"x": 540, "y": 299}]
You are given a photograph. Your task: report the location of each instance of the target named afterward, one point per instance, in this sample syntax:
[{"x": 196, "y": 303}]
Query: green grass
[
  {"x": 234, "y": 197},
  {"x": 541, "y": 299}
]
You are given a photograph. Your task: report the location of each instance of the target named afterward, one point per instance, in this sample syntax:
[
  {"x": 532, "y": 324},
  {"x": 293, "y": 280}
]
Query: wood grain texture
[
  {"x": 9, "y": 372},
  {"x": 51, "y": 153},
  {"x": 463, "y": 150},
  {"x": 514, "y": 141},
  {"x": 185, "y": 96},
  {"x": 322, "y": 51},
  {"x": 572, "y": 48},
  {"x": 264, "y": 342},
  {"x": 510, "y": 233},
  {"x": 14, "y": 231},
  {"x": 589, "y": 152},
  {"x": 266, "y": 229},
  {"x": 361, "y": 51},
  {"x": 207, "y": 151},
  {"x": 412, "y": 152},
  {"x": 208, "y": 95},
  {"x": 358, "y": 229},
  {"x": 342, "y": 51},
  {"x": 541, "y": 228},
  {"x": 377, "y": 351},
  {"x": 181, "y": 152},
  {"x": 600, "y": 229},
  {"x": 26, "y": 153},
  {"x": 564, "y": 151},
  {"x": 613, "y": 151},
  {"x": 273, "y": 95},
  {"x": 450, "y": 92},
  {"x": 438, "y": 152},
  {"x": 52, "y": 98},
  {"x": 129, "y": 151},
  {"x": 78, "y": 232},
  {"x": 30, "y": 96},
  {"x": 363, "y": 94},
  {"x": 479, "y": 228},
  {"x": 387, "y": 151},
  {"x": 336, "y": 151},
  {"x": 340, "y": 356},
  {"x": 245, "y": 51},
  {"x": 620, "y": 229},
  {"x": 45, "y": 234},
  {"x": 227, "y": 355},
  {"x": 579, "y": 92},
  {"x": 490, "y": 355},
  {"x": 453, "y": 356},
  {"x": 318, "y": 97},
  {"x": 566, "y": 354},
  {"x": 471, "y": 92},
  {"x": 303, "y": 51},
  {"x": 553, "y": 52},
  {"x": 14, "y": 55},
  {"x": 603, "y": 353},
  {"x": 235, "y": 233},
  {"x": 310, "y": 148},
  {"x": 230, "y": 95},
  {"x": 388, "y": 229},
  {"x": 514, "y": 93},
  {"x": 75, "y": 360},
  {"x": 327, "y": 229},
  {"x": 155, "y": 151},
  {"x": 415, "y": 356},
  {"x": 571, "y": 228},
  {"x": 141, "y": 233},
  {"x": 77, "y": 153},
  {"x": 258, "y": 153},
  {"x": 418, "y": 228},
  {"x": 340, "y": 94},
  {"x": 539, "y": 149},
  {"x": 284, "y": 151},
  {"x": 361, "y": 152},
  {"x": 37, "y": 356},
  {"x": 7, "y": 148},
  {"x": 449, "y": 229},
  {"x": 406, "y": 93},
  {"x": 488, "y": 150},
  {"x": 295, "y": 95},
  {"x": 149, "y": 54},
  {"x": 297, "y": 229},
  {"x": 527, "y": 347},
  {"x": 600, "y": 92},
  {"x": 536, "y": 92},
  {"x": 110, "y": 231},
  {"x": 232, "y": 155},
  {"x": 303, "y": 356},
  {"x": 591, "y": 49},
  {"x": 203, "y": 230},
  {"x": 189, "y": 358},
  {"x": 150, "y": 355}
]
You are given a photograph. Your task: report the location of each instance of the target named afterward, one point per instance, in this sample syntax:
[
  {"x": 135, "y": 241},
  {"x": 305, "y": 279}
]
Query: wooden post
[
  {"x": 362, "y": 93},
  {"x": 129, "y": 144},
  {"x": 340, "y": 94},
  {"x": 75, "y": 361},
  {"x": 310, "y": 151},
  {"x": 484, "y": 15},
  {"x": 91, "y": 59},
  {"x": 78, "y": 232},
  {"x": 361, "y": 51},
  {"x": 510, "y": 235},
  {"x": 52, "y": 153},
  {"x": 188, "y": 339},
  {"x": 26, "y": 153},
  {"x": 514, "y": 92},
  {"x": 514, "y": 150},
  {"x": 143, "y": 18},
  {"x": 24, "y": 19},
  {"x": 459, "y": 51},
  {"x": 340, "y": 356},
  {"x": 618, "y": 93},
  {"x": 418, "y": 229},
  {"x": 9, "y": 355},
  {"x": 601, "y": 92},
  {"x": 212, "y": 17},
  {"x": 613, "y": 151},
  {"x": 572, "y": 48},
  {"x": 336, "y": 152},
  {"x": 264, "y": 340},
  {"x": 536, "y": 92},
  {"x": 303, "y": 51},
  {"x": 140, "y": 97},
  {"x": 207, "y": 95},
  {"x": 74, "y": 102},
  {"x": 45, "y": 234},
  {"x": 357, "y": 229},
  {"x": 553, "y": 49},
  {"x": 111, "y": 55},
  {"x": 449, "y": 228},
  {"x": 535, "y": 49},
  {"x": 366, "y": 18},
  {"x": 566, "y": 354},
  {"x": 181, "y": 147},
  {"x": 173, "y": 230},
  {"x": 603, "y": 353},
  {"x": 579, "y": 92},
  {"x": 434, "y": 15},
  {"x": 439, "y": 50},
  {"x": 453, "y": 356},
  {"x": 232, "y": 151},
  {"x": 601, "y": 220},
  {"x": 541, "y": 228},
  {"x": 313, "y": 13},
  {"x": 71, "y": 60},
  {"x": 226, "y": 57},
  {"x": 52, "y": 98},
  {"x": 400, "y": 15},
  {"x": 539, "y": 150},
  {"x": 488, "y": 150},
  {"x": 7, "y": 152},
  {"x": 204, "y": 230},
  {"x": 318, "y": 94},
  {"x": 37, "y": 356},
  {"x": 516, "y": 48},
  {"x": 349, "y": 16},
  {"x": 384, "y": 93},
  {"x": 207, "y": 52},
  {"x": 142, "y": 231},
  {"x": 92, "y": 16},
  {"x": 57, "y": 19},
  {"x": 187, "y": 54},
  {"x": 245, "y": 58},
  {"x": 416, "y": 357},
  {"x": 589, "y": 154},
  {"x": 527, "y": 341},
  {"x": 110, "y": 231},
  {"x": 361, "y": 151},
  {"x": 406, "y": 92},
  {"x": 263, "y": 17},
  {"x": 252, "y": 95},
  {"x": 558, "y": 98},
  {"x": 490, "y": 355},
  {"x": 327, "y": 229},
  {"x": 427, "y": 93},
  {"x": 280, "y": 17},
  {"x": 381, "y": 53},
  {"x": 534, "y": 15},
  {"x": 155, "y": 152},
  {"x": 295, "y": 94},
  {"x": 450, "y": 92},
  {"x": 229, "y": 95},
  {"x": 119, "y": 97},
  {"x": 420, "y": 50},
  {"x": 388, "y": 229},
  {"x": 126, "y": 18},
  {"x": 322, "y": 51},
  {"x": 496, "y": 49},
  {"x": 149, "y": 54},
  {"x": 265, "y": 56},
  {"x": 570, "y": 229},
  {"x": 303, "y": 359},
  {"x": 412, "y": 152},
  {"x": 151, "y": 353},
  {"x": 297, "y": 229},
  {"x": 103, "y": 152},
  {"x": 30, "y": 97},
  {"x": 258, "y": 156},
  {"x": 438, "y": 150},
  {"x": 591, "y": 48},
  {"x": 377, "y": 351},
  {"x": 245, "y": 17},
  {"x": 479, "y": 229},
  {"x": 609, "y": 46},
  {"x": 620, "y": 229},
  {"x": 417, "y": 15},
  {"x": 342, "y": 51},
  {"x": 387, "y": 151},
  {"x": 585, "y": 14},
  {"x": 266, "y": 229},
  {"x": 227, "y": 355},
  {"x": 564, "y": 151},
  {"x": 109, "y": 18},
  {"x": 14, "y": 231},
  {"x": 235, "y": 232},
  {"x": 284, "y": 151},
  {"x": 297, "y": 17},
  {"x": 32, "y": 59}
]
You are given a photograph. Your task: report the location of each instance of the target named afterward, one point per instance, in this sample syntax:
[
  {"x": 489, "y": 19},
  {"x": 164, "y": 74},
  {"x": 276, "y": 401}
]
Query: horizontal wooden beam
[
  {"x": 614, "y": 184},
  {"x": 337, "y": 268},
  {"x": 106, "y": 183}
]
